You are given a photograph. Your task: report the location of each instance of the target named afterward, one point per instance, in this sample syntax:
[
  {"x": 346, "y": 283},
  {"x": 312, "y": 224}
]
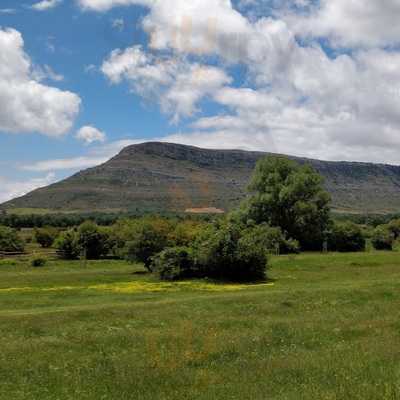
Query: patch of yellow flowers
[{"x": 143, "y": 287}]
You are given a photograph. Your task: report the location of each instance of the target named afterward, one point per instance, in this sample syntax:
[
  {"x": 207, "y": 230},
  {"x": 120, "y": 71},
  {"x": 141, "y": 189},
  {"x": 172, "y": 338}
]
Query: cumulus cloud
[
  {"x": 350, "y": 23},
  {"x": 46, "y": 5},
  {"x": 179, "y": 85},
  {"x": 27, "y": 105},
  {"x": 11, "y": 189},
  {"x": 297, "y": 96},
  {"x": 90, "y": 134}
]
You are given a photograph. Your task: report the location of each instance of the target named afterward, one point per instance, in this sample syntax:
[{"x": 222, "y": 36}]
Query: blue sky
[
  {"x": 69, "y": 41},
  {"x": 80, "y": 79}
]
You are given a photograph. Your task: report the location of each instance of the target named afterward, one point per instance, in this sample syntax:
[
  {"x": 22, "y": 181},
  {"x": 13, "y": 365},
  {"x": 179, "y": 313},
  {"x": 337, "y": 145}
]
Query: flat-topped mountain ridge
[{"x": 166, "y": 177}]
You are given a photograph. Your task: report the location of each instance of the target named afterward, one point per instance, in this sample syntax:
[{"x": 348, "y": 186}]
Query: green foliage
[
  {"x": 382, "y": 238},
  {"x": 10, "y": 241},
  {"x": 394, "y": 228},
  {"x": 174, "y": 263},
  {"x": 67, "y": 245},
  {"x": 346, "y": 237},
  {"x": 291, "y": 197},
  {"x": 186, "y": 232},
  {"x": 46, "y": 236},
  {"x": 226, "y": 251},
  {"x": 273, "y": 240},
  {"x": 38, "y": 262},
  {"x": 92, "y": 241},
  {"x": 145, "y": 238}
]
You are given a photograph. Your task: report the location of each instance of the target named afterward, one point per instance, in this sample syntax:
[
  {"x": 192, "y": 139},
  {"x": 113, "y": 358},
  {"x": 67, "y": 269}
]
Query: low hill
[{"x": 171, "y": 177}]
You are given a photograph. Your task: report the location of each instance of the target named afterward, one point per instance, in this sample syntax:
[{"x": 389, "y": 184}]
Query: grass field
[{"x": 326, "y": 327}]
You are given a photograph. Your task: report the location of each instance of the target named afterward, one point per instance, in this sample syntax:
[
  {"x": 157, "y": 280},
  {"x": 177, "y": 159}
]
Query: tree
[
  {"x": 291, "y": 197},
  {"x": 92, "y": 241},
  {"x": 185, "y": 232},
  {"x": 10, "y": 241},
  {"x": 46, "y": 236},
  {"x": 67, "y": 245},
  {"x": 382, "y": 238},
  {"x": 146, "y": 240},
  {"x": 347, "y": 237},
  {"x": 394, "y": 227}
]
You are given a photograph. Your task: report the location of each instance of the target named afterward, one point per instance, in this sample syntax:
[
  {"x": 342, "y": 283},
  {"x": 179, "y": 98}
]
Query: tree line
[{"x": 287, "y": 211}]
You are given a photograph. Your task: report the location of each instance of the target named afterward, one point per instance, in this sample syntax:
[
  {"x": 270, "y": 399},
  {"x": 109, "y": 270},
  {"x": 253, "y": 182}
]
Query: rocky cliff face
[{"x": 171, "y": 177}]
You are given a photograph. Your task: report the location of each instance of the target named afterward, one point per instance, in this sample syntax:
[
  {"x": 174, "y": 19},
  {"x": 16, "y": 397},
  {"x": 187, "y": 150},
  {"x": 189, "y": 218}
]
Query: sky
[{"x": 81, "y": 79}]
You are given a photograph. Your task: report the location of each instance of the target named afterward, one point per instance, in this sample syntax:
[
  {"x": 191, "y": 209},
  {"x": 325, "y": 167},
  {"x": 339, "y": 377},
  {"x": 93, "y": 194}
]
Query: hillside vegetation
[{"x": 162, "y": 177}]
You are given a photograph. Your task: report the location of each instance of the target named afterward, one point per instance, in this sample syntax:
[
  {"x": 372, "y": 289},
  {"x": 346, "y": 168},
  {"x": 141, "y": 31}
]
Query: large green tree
[{"x": 287, "y": 195}]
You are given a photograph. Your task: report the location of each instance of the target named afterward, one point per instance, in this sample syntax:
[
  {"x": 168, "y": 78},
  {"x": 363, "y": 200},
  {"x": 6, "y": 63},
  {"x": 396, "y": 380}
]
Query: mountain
[{"x": 171, "y": 177}]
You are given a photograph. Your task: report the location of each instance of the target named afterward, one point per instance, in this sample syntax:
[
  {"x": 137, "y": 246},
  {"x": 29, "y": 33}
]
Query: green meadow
[{"x": 323, "y": 327}]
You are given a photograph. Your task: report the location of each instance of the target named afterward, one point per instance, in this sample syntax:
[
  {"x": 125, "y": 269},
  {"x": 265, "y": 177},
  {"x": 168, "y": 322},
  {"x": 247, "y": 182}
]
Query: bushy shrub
[
  {"x": 227, "y": 252},
  {"x": 45, "y": 237},
  {"x": 67, "y": 245},
  {"x": 92, "y": 241},
  {"x": 346, "y": 237},
  {"x": 38, "y": 262},
  {"x": 146, "y": 240},
  {"x": 89, "y": 241},
  {"x": 10, "y": 241},
  {"x": 174, "y": 263},
  {"x": 382, "y": 238},
  {"x": 394, "y": 228}
]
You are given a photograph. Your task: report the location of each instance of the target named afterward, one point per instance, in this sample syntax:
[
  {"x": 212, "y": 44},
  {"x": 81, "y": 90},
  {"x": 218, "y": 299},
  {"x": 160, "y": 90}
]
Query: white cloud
[
  {"x": 90, "y": 134},
  {"x": 46, "y": 73},
  {"x": 11, "y": 189},
  {"x": 118, "y": 24},
  {"x": 26, "y": 105},
  {"x": 179, "y": 85},
  {"x": 61, "y": 164},
  {"x": 351, "y": 23},
  {"x": 297, "y": 97},
  {"x": 8, "y": 11},
  {"x": 105, "y": 5},
  {"x": 95, "y": 156},
  {"x": 46, "y": 5},
  {"x": 89, "y": 69}
]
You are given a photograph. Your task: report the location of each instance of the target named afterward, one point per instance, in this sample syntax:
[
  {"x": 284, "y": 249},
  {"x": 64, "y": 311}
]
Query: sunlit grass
[{"x": 327, "y": 328}]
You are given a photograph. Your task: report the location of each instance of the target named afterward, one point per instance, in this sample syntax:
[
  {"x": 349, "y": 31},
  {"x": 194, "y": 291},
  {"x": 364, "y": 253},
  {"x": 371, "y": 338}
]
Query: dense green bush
[
  {"x": 88, "y": 240},
  {"x": 346, "y": 237},
  {"x": 382, "y": 238},
  {"x": 175, "y": 263},
  {"x": 10, "y": 241},
  {"x": 146, "y": 239},
  {"x": 67, "y": 245},
  {"x": 46, "y": 236},
  {"x": 291, "y": 197},
  {"x": 92, "y": 241},
  {"x": 228, "y": 252},
  {"x": 38, "y": 262}
]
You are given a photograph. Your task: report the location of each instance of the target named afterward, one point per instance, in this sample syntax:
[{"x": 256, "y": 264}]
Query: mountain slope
[{"x": 171, "y": 177}]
